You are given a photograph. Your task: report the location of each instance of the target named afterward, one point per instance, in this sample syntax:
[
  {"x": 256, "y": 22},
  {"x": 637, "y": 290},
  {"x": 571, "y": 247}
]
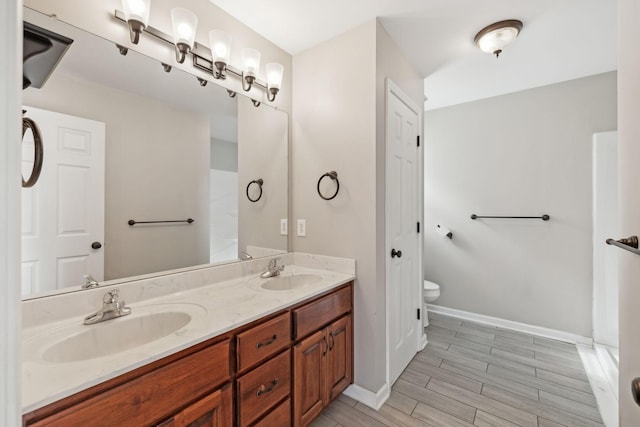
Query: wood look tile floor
[{"x": 471, "y": 374}]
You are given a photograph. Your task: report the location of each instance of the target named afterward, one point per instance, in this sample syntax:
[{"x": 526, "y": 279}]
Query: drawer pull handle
[
  {"x": 263, "y": 389},
  {"x": 268, "y": 342}
]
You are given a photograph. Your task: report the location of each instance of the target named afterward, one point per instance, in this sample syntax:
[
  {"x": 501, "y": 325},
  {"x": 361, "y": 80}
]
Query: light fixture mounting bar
[{"x": 202, "y": 58}]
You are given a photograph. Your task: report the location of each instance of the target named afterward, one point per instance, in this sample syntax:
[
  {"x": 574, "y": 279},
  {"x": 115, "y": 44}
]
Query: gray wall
[
  {"x": 525, "y": 153},
  {"x": 157, "y": 168},
  {"x": 338, "y": 124}
]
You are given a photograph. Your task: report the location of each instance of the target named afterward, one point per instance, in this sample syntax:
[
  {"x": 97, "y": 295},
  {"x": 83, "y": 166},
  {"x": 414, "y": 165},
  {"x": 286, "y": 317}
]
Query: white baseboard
[
  {"x": 509, "y": 324},
  {"x": 609, "y": 366},
  {"x": 367, "y": 397},
  {"x": 603, "y": 390},
  {"x": 423, "y": 342}
]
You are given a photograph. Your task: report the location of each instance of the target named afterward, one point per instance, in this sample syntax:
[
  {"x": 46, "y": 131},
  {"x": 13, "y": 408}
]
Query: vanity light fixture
[
  {"x": 184, "y": 24},
  {"x": 213, "y": 61},
  {"x": 274, "y": 79},
  {"x": 493, "y": 38},
  {"x": 220, "y": 43},
  {"x": 250, "y": 66},
  {"x": 136, "y": 13}
]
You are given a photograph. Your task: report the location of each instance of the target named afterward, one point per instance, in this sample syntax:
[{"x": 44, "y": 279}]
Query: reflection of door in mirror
[{"x": 63, "y": 214}]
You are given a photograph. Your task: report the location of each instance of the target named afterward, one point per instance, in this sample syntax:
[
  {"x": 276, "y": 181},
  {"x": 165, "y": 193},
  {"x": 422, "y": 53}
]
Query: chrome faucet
[
  {"x": 112, "y": 307},
  {"x": 273, "y": 270},
  {"x": 244, "y": 256},
  {"x": 89, "y": 282}
]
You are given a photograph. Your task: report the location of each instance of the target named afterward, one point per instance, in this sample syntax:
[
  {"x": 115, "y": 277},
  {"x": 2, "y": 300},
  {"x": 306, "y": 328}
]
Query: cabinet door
[
  {"x": 309, "y": 385},
  {"x": 215, "y": 410},
  {"x": 339, "y": 356}
]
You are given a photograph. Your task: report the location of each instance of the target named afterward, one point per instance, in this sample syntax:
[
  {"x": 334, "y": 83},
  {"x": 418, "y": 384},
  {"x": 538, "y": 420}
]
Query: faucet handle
[{"x": 111, "y": 297}]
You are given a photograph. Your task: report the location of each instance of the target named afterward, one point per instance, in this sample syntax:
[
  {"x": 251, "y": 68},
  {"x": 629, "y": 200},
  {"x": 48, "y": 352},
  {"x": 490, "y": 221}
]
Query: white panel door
[
  {"x": 63, "y": 214},
  {"x": 403, "y": 267}
]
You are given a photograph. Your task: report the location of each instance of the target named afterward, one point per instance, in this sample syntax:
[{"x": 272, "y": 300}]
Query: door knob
[
  {"x": 96, "y": 245},
  {"x": 635, "y": 390},
  {"x": 395, "y": 253}
]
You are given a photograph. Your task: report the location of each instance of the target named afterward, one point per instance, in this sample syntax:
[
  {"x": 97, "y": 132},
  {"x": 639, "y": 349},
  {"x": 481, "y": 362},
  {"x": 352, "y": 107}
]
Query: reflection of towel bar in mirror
[
  {"x": 259, "y": 183},
  {"x": 334, "y": 176},
  {"x": 629, "y": 244},
  {"x": 543, "y": 217},
  {"x": 134, "y": 222}
]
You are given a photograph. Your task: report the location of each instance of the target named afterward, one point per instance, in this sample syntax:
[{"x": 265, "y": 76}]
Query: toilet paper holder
[{"x": 445, "y": 232}]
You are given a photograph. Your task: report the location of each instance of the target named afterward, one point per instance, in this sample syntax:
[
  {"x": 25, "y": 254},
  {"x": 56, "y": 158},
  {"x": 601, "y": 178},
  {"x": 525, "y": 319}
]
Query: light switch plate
[
  {"x": 284, "y": 226},
  {"x": 302, "y": 227}
]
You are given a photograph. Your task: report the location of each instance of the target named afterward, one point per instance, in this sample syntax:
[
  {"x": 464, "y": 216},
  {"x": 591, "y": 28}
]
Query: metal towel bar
[
  {"x": 629, "y": 244},
  {"x": 134, "y": 222},
  {"x": 543, "y": 217}
]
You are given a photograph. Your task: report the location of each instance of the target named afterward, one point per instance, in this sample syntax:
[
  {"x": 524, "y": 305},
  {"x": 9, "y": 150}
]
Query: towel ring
[
  {"x": 334, "y": 176},
  {"x": 259, "y": 183},
  {"x": 28, "y": 123}
]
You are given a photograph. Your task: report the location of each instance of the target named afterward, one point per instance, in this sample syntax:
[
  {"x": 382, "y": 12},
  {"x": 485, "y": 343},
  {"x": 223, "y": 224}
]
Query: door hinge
[
  {"x": 418, "y": 137},
  {"x": 418, "y": 227},
  {"x": 418, "y": 314}
]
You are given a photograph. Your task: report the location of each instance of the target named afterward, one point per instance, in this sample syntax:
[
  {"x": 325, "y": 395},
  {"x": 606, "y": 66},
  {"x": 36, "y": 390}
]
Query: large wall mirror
[{"x": 125, "y": 140}]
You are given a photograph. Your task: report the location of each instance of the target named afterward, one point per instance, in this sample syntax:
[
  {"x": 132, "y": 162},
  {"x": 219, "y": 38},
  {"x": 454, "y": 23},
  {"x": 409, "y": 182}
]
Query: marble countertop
[{"x": 214, "y": 310}]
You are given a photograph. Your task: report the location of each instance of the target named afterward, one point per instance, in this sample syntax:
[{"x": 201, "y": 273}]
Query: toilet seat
[
  {"x": 431, "y": 291},
  {"x": 430, "y": 286}
]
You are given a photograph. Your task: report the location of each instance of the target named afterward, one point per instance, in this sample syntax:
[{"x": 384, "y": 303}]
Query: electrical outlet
[
  {"x": 284, "y": 227},
  {"x": 302, "y": 227}
]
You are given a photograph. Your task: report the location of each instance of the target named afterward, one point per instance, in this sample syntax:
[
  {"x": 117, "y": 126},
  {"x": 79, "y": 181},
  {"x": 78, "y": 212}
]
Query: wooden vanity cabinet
[
  {"x": 323, "y": 361},
  {"x": 279, "y": 371},
  {"x": 148, "y": 395},
  {"x": 215, "y": 410}
]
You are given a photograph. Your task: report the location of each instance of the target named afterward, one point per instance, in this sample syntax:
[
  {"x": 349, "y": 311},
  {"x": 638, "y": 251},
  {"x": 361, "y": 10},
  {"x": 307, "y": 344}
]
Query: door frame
[
  {"x": 10, "y": 169},
  {"x": 392, "y": 89}
]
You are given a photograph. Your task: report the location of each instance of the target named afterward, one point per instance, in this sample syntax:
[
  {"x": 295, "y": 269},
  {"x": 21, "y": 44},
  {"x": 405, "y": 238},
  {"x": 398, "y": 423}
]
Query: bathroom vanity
[{"x": 279, "y": 369}]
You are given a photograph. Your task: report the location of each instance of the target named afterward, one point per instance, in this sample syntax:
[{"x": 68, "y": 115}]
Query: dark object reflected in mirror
[{"x": 157, "y": 146}]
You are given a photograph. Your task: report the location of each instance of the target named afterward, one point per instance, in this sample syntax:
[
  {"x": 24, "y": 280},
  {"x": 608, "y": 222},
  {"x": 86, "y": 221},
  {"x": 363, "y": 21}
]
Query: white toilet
[{"x": 431, "y": 293}]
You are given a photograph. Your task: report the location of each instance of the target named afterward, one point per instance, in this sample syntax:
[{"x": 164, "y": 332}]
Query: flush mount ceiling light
[{"x": 493, "y": 38}]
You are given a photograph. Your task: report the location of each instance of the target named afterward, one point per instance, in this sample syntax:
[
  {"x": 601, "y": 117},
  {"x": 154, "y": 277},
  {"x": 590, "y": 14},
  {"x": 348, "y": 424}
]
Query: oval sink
[
  {"x": 116, "y": 335},
  {"x": 287, "y": 283}
]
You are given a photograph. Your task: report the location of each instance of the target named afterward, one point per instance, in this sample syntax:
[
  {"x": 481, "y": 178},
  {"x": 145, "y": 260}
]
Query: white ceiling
[{"x": 561, "y": 39}]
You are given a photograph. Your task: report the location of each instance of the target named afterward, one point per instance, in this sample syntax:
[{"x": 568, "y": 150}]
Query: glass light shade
[
  {"x": 250, "y": 61},
  {"x": 137, "y": 10},
  {"x": 493, "y": 38},
  {"x": 274, "y": 75},
  {"x": 497, "y": 40},
  {"x": 220, "y": 43},
  {"x": 184, "y": 24}
]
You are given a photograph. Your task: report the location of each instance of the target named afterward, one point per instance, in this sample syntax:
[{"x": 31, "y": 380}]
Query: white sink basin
[
  {"x": 116, "y": 335},
  {"x": 290, "y": 282}
]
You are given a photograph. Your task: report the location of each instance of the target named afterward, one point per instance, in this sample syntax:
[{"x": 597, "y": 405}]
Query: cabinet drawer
[
  {"x": 279, "y": 417},
  {"x": 260, "y": 389},
  {"x": 262, "y": 341},
  {"x": 315, "y": 315},
  {"x": 153, "y": 396}
]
